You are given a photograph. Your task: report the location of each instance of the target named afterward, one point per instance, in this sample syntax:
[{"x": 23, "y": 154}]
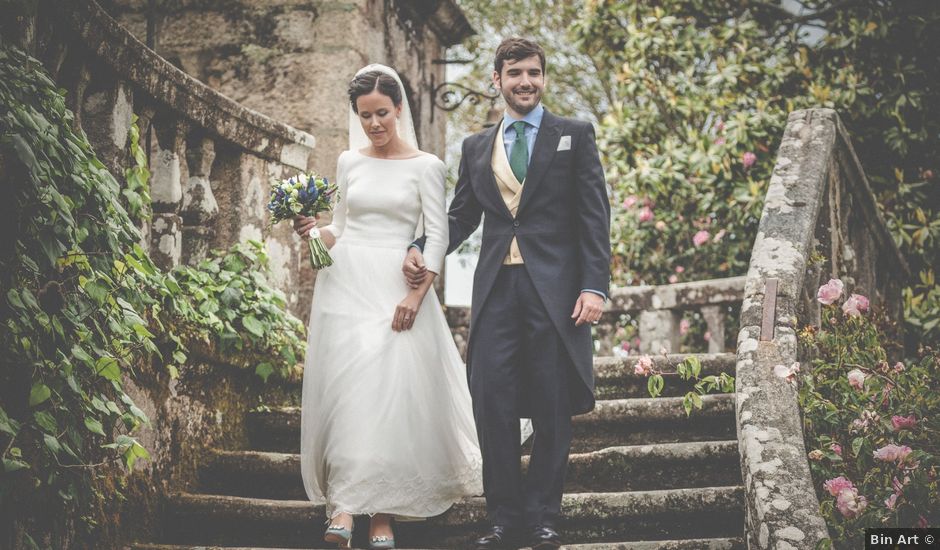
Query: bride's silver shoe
[
  {"x": 381, "y": 542},
  {"x": 340, "y": 535}
]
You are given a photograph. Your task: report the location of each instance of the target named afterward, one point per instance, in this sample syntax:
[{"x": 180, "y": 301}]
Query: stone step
[
  {"x": 689, "y": 544},
  {"x": 614, "y": 469},
  {"x": 705, "y": 512},
  {"x": 613, "y": 422},
  {"x": 614, "y": 377}
]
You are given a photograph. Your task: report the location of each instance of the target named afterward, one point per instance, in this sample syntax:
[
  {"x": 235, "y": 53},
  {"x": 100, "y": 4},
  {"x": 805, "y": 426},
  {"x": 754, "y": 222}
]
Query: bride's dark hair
[{"x": 365, "y": 83}]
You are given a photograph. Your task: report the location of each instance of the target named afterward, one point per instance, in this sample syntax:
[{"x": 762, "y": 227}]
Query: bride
[{"x": 386, "y": 426}]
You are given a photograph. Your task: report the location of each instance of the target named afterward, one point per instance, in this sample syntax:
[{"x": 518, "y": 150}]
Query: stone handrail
[
  {"x": 206, "y": 153},
  {"x": 660, "y": 308},
  {"x": 818, "y": 204}
]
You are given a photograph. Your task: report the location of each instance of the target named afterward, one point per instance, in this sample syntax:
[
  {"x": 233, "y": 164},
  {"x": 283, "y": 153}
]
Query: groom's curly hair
[{"x": 517, "y": 49}]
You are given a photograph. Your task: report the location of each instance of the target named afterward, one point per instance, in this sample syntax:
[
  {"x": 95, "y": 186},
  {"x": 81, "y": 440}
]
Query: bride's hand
[
  {"x": 407, "y": 310},
  {"x": 303, "y": 225}
]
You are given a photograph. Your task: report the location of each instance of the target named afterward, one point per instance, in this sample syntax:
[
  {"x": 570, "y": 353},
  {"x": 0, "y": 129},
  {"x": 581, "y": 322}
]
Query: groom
[{"x": 541, "y": 281}]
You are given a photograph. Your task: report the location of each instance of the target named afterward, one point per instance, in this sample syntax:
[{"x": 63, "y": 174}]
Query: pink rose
[
  {"x": 836, "y": 448},
  {"x": 855, "y": 305},
  {"x": 644, "y": 366},
  {"x": 856, "y": 379},
  {"x": 701, "y": 238},
  {"x": 684, "y": 327},
  {"x": 892, "y": 453},
  {"x": 660, "y": 225},
  {"x": 903, "y": 422},
  {"x": 850, "y": 503},
  {"x": 673, "y": 279},
  {"x": 891, "y": 501},
  {"x": 748, "y": 160},
  {"x": 787, "y": 373},
  {"x": 680, "y": 269},
  {"x": 630, "y": 201},
  {"x": 837, "y": 484},
  {"x": 829, "y": 292},
  {"x": 646, "y": 214},
  {"x": 625, "y": 346}
]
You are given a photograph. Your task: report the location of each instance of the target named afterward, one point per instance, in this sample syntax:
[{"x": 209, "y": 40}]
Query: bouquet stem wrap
[{"x": 319, "y": 255}]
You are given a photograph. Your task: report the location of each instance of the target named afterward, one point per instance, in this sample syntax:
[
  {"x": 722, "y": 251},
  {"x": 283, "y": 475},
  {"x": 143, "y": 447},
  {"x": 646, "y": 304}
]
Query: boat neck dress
[{"x": 386, "y": 420}]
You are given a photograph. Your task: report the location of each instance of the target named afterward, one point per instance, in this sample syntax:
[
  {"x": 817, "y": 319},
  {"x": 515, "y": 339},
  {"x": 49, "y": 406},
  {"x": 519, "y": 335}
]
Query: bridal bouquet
[{"x": 304, "y": 195}]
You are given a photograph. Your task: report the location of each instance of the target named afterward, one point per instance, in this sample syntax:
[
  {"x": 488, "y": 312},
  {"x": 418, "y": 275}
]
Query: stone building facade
[{"x": 292, "y": 59}]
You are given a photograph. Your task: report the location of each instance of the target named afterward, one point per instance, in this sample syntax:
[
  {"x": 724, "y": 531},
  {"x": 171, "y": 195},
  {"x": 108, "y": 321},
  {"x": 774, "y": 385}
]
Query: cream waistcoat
[{"x": 510, "y": 188}]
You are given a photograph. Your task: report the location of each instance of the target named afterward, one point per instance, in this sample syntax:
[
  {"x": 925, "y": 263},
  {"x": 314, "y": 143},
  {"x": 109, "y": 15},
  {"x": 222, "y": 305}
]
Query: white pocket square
[{"x": 564, "y": 144}]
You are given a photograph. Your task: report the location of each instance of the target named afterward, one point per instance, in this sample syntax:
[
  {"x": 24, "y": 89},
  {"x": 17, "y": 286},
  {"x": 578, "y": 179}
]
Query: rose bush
[{"x": 871, "y": 421}]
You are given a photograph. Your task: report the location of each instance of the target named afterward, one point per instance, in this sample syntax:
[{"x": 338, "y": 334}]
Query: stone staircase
[{"x": 642, "y": 475}]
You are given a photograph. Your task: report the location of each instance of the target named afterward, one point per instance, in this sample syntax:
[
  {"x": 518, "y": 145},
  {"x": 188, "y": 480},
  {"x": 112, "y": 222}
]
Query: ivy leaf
[
  {"x": 39, "y": 394},
  {"x": 11, "y": 465},
  {"x": 655, "y": 385},
  {"x": 108, "y": 368},
  {"x": 24, "y": 152},
  {"x": 264, "y": 370},
  {"x": 97, "y": 292},
  {"x": 857, "y": 445},
  {"x": 52, "y": 443},
  {"x": 253, "y": 325},
  {"x": 94, "y": 426},
  {"x": 8, "y": 425},
  {"x": 46, "y": 421}
]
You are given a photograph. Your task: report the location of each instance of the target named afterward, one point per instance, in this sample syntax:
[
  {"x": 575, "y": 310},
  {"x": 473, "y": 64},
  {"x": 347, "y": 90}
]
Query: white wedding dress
[{"x": 386, "y": 425}]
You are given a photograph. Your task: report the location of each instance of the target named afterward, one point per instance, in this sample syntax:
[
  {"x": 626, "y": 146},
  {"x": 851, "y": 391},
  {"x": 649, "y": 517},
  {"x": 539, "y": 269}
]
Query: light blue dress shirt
[{"x": 533, "y": 120}]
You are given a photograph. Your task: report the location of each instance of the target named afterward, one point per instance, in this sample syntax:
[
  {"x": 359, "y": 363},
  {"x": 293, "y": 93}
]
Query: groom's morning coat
[{"x": 562, "y": 227}]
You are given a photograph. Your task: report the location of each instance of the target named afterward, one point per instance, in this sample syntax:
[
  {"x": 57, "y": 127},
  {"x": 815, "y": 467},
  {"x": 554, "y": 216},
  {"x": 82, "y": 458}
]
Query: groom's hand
[
  {"x": 588, "y": 309},
  {"x": 413, "y": 267}
]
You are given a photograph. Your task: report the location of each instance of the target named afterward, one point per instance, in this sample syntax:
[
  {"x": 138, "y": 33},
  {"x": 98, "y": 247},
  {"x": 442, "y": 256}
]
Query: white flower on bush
[
  {"x": 856, "y": 379},
  {"x": 787, "y": 373}
]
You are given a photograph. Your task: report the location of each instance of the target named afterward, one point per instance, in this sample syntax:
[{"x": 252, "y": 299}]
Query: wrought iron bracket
[{"x": 448, "y": 96}]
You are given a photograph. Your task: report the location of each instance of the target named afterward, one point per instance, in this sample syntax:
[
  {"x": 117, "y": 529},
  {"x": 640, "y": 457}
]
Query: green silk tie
[{"x": 519, "y": 154}]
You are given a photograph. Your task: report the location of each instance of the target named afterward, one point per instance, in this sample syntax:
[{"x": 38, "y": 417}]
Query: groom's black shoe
[
  {"x": 499, "y": 536},
  {"x": 544, "y": 538}
]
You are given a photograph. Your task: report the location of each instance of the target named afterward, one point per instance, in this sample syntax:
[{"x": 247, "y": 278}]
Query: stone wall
[{"x": 292, "y": 61}]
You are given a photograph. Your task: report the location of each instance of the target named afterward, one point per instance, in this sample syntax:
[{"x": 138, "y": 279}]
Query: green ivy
[{"x": 82, "y": 305}]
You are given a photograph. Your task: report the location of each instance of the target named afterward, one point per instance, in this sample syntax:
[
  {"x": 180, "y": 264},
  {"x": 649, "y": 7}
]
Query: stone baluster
[
  {"x": 659, "y": 329},
  {"x": 199, "y": 207},
  {"x": 166, "y": 192},
  {"x": 107, "y": 109},
  {"x": 715, "y": 321}
]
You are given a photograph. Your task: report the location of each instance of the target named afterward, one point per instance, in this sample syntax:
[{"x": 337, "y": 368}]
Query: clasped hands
[
  {"x": 407, "y": 310},
  {"x": 587, "y": 309}
]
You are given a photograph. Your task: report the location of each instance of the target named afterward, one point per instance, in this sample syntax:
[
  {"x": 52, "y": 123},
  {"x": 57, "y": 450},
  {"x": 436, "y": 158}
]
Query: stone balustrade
[
  {"x": 820, "y": 221},
  {"x": 211, "y": 159},
  {"x": 659, "y": 308}
]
